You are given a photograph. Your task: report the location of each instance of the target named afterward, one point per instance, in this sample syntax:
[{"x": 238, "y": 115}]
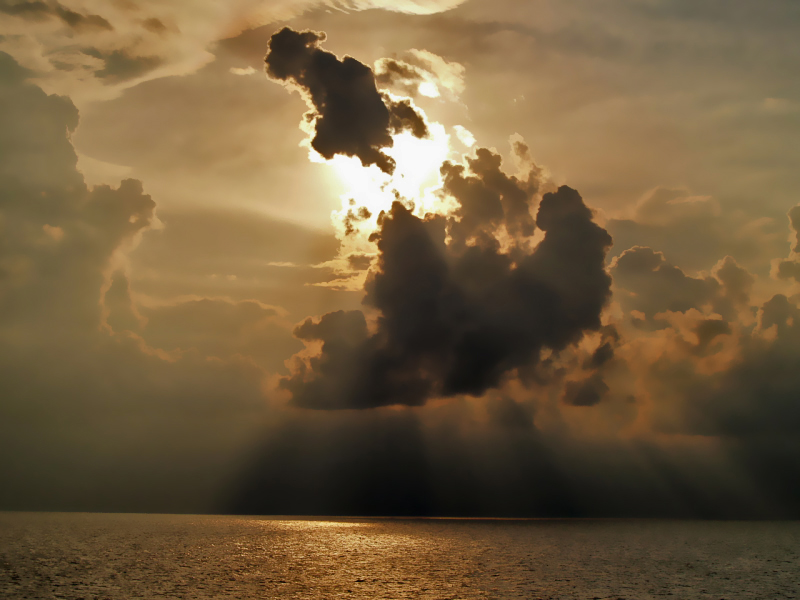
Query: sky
[{"x": 401, "y": 257}]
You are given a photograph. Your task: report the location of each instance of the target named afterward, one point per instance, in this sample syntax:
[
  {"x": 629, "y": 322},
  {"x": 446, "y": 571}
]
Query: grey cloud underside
[
  {"x": 456, "y": 318},
  {"x": 350, "y": 116}
]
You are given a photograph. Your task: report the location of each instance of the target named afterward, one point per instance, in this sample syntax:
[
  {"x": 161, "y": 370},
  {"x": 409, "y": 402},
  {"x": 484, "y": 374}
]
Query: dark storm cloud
[
  {"x": 350, "y": 116},
  {"x": 454, "y": 319},
  {"x": 38, "y": 10}
]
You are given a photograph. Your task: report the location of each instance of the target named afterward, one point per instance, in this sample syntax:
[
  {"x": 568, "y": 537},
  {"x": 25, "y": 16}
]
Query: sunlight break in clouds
[
  {"x": 381, "y": 145},
  {"x": 464, "y": 296}
]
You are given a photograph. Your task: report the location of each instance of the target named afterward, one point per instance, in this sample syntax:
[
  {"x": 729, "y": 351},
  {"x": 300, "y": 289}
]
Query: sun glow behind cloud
[
  {"x": 416, "y": 182},
  {"x": 415, "y": 178}
]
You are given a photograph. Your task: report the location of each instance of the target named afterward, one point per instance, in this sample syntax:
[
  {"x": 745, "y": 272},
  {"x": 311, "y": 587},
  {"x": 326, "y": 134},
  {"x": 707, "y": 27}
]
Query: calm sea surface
[{"x": 107, "y": 556}]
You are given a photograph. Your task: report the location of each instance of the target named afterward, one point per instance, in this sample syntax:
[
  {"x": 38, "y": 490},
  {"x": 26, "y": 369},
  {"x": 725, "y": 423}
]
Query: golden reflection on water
[
  {"x": 118, "y": 557},
  {"x": 304, "y": 525},
  {"x": 333, "y": 539}
]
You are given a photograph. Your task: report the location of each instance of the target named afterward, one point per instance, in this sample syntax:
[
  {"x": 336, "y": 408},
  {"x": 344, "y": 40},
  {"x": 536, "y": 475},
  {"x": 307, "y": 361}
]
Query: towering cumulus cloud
[
  {"x": 455, "y": 320},
  {"x": 462, "y": 295},
  {"x": 349, "y": 116}
]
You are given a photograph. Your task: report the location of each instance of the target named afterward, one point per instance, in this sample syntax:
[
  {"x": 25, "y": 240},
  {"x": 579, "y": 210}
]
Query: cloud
[
  {"x": 59, "y": 234},
  {"x": 757, "y": 395},
  {"x": 754, "y": 395},
  {"x": 717, "y": 367},
  {"x": 349, "y": 116},
  {"x": 666, "y": 206},
  {"x": 588, "y": 392},
  {"x": 359, "y": 262},
  {"x": 38, "y": 10},
  {"x": 235, "y": 254},
  {"x": 455, "y": 319},
  {"x": 489, "y": 198},
  {"x": 656, "y": 285},
  {"x": 242, "y": 71},
  {"x": 91, "y": 414},
  {"x": 119, "y": 65},
  {"x": 419, "y": 72},
  {"x": 117, "y": 400},
  {"x": 694, "y": 230},
  {"x": 430, "y": 331},
  {"x": 648, "y": 284},
  {"x": 223, "y": 329},
  {"x": 51, "y": 37}
]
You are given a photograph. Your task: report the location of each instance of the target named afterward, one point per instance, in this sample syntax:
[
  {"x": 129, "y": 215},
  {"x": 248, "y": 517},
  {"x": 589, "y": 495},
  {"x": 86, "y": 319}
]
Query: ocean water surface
[{"x": 119, "y": 556}]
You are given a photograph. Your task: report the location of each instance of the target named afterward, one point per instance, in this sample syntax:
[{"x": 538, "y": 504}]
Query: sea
[{"x": 133, "y": 556}]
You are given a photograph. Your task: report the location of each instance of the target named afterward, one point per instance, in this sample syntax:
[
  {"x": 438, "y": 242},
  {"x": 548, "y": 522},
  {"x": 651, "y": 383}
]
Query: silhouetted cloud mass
[
  {"x": 455, "y": 318},
  {"x": 349, "y": 115}
]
